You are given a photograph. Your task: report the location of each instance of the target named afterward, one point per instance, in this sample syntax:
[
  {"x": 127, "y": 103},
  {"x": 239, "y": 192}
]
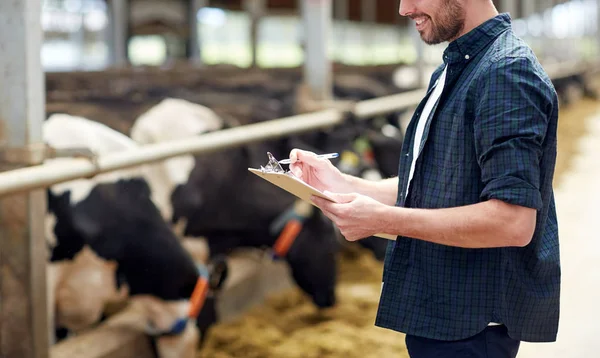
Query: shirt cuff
[{"x": 514, "y": 191}]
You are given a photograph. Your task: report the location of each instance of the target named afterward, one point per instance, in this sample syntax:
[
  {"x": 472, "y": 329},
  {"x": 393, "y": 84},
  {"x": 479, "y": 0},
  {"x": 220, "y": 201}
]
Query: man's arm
[
  {"x": 492, "y": 223},
  {"x": 385, "y": 191}
]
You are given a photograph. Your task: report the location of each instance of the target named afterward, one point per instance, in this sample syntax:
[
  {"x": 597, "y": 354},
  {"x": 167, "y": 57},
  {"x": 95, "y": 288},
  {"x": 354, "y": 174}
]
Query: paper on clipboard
[{"x": 300, "y": 189}]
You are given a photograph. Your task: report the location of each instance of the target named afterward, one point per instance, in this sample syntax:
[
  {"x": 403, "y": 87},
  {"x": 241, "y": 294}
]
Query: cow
[
  {"x": 157, "y": 126},
  {"x": 115, "y": 215},
  {"x": 223, "y": 202}
]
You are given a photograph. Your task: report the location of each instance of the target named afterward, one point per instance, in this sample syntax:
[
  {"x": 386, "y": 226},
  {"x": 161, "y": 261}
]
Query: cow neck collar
[
  {"x": 288, "y": 225},
  {"x": 197, "y": 300}
]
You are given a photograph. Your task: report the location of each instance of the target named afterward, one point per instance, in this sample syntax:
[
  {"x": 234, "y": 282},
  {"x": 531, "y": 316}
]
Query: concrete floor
[{"x": 577, "y": 200}]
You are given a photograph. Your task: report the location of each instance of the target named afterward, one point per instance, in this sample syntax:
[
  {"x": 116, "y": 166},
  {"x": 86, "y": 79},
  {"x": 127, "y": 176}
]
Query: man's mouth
[{"x": 421, "y": 21}]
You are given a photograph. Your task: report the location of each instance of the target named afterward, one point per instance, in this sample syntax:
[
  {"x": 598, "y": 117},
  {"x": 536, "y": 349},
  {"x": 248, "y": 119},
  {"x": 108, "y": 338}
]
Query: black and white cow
[
  {"x": 115, "y": 215},
  {"x": 223, "y": 202}
]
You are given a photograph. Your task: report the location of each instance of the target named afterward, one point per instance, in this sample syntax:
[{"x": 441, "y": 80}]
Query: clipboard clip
[{"x": 272, "y": 166}]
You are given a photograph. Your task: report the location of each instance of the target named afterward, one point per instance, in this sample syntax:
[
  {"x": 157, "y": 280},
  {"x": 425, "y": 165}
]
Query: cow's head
[
  {"x": 210, "y": 185},
  {"x": 172, "y": 317},
  {"x": 312, "y": 260}
]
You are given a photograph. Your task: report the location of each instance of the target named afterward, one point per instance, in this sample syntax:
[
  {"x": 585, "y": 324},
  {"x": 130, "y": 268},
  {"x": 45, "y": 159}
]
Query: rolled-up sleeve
[{"x": 511, "y": 119}]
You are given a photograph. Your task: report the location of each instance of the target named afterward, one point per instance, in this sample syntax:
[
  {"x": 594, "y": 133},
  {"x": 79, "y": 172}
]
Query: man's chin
[{"x": 428, "y": 39}]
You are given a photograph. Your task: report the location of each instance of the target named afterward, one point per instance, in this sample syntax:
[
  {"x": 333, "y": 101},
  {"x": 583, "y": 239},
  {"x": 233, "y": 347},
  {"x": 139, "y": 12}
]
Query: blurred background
[
  {"x": 242, "y": 62},
  {"x": 78, "y": 32}
]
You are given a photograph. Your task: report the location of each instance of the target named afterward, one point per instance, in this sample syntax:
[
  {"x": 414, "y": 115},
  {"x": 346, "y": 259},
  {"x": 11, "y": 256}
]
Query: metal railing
[{"x": 47, "y": 174}]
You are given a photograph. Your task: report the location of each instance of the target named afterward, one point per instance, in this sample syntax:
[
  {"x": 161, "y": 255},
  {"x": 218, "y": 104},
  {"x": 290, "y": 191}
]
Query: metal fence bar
[
  {"x": 58, "y": 172},
  {"x": 387, "y": 104}
]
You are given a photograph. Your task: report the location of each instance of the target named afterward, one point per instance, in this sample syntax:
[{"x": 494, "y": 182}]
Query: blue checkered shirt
[{"x": 491, "y": 135}]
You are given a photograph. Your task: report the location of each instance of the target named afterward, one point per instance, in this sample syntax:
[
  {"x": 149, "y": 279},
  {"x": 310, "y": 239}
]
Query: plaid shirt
[{"x": 492, "y": 135}]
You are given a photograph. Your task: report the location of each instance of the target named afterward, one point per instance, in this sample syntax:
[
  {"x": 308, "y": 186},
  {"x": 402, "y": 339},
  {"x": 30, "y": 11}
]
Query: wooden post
[
  {"x": 256, "y": 10},
  {"x": 23, "y": 320},
  {"x": 341, "y": 14},
  {"x": 119, "y": 31},
  {"x": 368, "y": 15},
  {"x": 316, "y": 18},
  {"x": 194, "y": 37}
]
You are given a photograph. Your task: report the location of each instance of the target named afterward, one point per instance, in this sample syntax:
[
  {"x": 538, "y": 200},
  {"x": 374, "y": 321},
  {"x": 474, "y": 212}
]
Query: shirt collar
[{"x": 470, "y": 44}]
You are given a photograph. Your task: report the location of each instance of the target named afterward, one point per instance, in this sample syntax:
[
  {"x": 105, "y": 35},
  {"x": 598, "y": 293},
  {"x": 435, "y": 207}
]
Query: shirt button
[
  {"x": 467, "y": 57},
  {"x": 406, "y": 154}
]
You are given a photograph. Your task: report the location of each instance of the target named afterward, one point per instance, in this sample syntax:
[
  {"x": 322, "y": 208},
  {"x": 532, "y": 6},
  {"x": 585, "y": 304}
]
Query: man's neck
[{"x": 477, "y": 14}]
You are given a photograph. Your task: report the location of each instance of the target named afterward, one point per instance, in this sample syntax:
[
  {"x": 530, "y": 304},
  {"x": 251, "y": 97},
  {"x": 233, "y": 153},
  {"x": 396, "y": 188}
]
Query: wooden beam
[
  {"x": 119, "y": 31},
  {"x": 316, "y": 22},
  {"x": 23, "y": 321}
]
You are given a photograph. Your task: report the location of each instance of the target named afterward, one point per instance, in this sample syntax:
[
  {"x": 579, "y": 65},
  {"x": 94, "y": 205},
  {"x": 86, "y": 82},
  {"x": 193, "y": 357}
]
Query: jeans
[{"x": 492, "y": 342}]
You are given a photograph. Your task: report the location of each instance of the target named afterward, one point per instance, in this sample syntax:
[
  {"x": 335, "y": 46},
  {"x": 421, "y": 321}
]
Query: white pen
[{"x": 326, "y": 156}]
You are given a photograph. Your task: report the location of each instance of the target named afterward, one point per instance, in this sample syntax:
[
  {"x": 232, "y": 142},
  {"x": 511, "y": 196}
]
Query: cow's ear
[
  {"x": 86, "y": 226},
  {"x": 58, "y": 203}
]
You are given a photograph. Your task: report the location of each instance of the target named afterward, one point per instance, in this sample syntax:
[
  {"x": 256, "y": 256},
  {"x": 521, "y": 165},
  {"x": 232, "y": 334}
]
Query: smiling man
[{"x": 475, "y": 267}]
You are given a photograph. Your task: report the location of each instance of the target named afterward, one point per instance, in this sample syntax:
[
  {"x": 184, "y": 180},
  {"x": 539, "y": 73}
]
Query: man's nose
[{"x": 406, "y": 8}]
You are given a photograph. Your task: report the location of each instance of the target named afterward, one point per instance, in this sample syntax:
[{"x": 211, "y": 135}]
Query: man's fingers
[
  {"x": 320, "y": 202},
  {"x": 296, "y": 164},
  {"x": 310, "y": 158},
  {"x": 294, "y": 155},
  {"x": 297, "y": 169},
  {"x": 323, "y": 204},
  {"x": 326, "y": 207}
]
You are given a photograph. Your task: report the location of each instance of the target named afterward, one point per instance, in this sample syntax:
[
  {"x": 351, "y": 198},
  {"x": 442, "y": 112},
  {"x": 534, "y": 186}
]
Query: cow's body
[{"x": 116, "y": 216}]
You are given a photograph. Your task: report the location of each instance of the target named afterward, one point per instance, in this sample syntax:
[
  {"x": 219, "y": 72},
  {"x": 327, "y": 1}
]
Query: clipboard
[{"x": 274, "y": 174}]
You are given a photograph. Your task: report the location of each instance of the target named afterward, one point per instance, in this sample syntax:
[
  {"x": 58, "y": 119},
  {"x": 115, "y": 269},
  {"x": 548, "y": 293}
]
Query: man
[{"x": 475, "y": 267}]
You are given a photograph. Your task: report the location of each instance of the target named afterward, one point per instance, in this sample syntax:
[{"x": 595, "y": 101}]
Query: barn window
[{"x": 147, "y": 50}]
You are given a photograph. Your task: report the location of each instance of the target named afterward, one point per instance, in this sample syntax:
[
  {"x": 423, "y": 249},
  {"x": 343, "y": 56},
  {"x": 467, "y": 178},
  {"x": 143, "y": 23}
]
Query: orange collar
[{"x": 300, "y": 212}]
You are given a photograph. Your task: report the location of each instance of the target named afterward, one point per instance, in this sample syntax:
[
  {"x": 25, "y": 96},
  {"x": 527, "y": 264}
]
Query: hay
[{"x": 288, "y": 325}]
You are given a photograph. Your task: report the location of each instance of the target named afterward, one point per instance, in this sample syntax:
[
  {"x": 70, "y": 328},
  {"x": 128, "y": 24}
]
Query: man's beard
[{"x": 449, "y": 23}]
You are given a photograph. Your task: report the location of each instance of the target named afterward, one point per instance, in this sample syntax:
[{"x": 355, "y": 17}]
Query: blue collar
[{"x": 470, "y": 44}]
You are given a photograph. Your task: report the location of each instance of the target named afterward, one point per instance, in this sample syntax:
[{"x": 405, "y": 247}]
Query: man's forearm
[
  {"x": 385, "y": 191},
  {"x": 487, "y": 224}
]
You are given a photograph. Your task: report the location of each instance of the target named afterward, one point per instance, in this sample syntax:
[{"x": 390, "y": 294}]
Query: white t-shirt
[{"x": 431, "y": 102}]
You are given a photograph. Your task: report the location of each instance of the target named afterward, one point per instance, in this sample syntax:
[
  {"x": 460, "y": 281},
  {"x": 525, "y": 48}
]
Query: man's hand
[
  {"x": 354, "y": 214},
  {"x": 317, "y": 172}
]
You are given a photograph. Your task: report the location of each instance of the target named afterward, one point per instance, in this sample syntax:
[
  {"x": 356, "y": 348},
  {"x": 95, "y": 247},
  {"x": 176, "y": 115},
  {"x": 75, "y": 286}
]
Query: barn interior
[{"x": 203, "y": 89}]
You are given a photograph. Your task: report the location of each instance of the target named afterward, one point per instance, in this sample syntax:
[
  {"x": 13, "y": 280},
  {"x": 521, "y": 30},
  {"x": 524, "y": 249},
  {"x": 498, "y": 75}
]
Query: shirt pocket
[{"x": 449, "y": 142}]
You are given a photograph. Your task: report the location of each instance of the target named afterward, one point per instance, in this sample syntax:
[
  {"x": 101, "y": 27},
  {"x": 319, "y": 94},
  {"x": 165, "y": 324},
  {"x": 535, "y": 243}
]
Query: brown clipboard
[{"x": 299, "y": 188}]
